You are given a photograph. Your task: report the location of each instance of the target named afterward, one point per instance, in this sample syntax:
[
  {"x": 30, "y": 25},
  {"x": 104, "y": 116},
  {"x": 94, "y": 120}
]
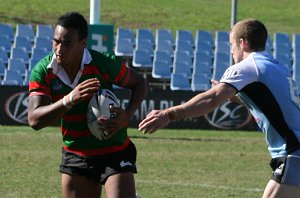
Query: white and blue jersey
[{"x": 267, "y": 89}]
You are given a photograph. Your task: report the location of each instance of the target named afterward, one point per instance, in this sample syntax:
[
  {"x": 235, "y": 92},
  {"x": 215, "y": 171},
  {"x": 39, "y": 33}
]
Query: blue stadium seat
[
  {"x": 204, "y": 36},
  {"x": 5, "y": 43},
  {"x": 204, "y": 47},
  {"x": 21, "y": 41},
  {"x": 269, "y": 45},
  {"x": 145, "y": 34},
  {"x": 179, "y": 81},
  {"x": 25, "y": 30},
  {"x": 186, "y": 36},
  {"x": 165, "y": 45},
  {"x": 280, "y": 39},
  {"x": 285, "y": 59},
  {"x": 11, "y": 76},
  {"x": 221, "y": 36},
  {"x": 38, "y": 53},
  {"x": 43, "y": 42},
  {"x": 18, "y": 65},
  {"x": 202, "y": 65},
  {"x": 163, "y": 56},
  {"x": 200, "y": 82},
  {"x": 7, "y": 30},
  {"x": 142, "y": 59},
  {"x": 223, "y": 47},
  {"x": 182, "y": 67},
  {"x": 125, "y": 33},
  {"x": 183, "y": 56},
  {"x": 3, "y": 55},
  {"x": 44, "y": 30},
  {"x": 161, "y": 70},
  {"x": 220, "y": 64},
  {"x": 124, "y": 47},
  {"x": 182, "y": 45},
  {"x": 164, "y": 35},
  {"x": 145, "y": 44},
  {"x": 20, "y": 53}
]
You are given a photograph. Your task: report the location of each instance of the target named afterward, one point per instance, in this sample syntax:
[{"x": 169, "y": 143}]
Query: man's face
[
  {"x": 236, "y": 50},
  {"x": 67, "y": 46}
]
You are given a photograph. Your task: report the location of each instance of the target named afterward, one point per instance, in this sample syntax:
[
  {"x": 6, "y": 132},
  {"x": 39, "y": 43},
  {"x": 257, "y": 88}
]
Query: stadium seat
[
  {"x": 223, "y": 47},
  {"x": 20, "y": 53},
  {"x": 269, "y": 45},
  {"x": 182, "y": 45},
  {"x": 164, "y": 35},
  {"x": 204, "y": 36},
  {"x": 44, "y": 30},
  {"x": 3, "y": 55},
  {"x": 165, "y": 45},
  {"x": 17, "y": 64},
  {"x": 186, "y": 36},
  {"x": 145, "y": 34},
  {"x": 280, "y": 39},
  {"x": 43, "y": 42},
  {"x": 163, "y": 56},
  {"x": 161, "y": 69},
  {"x": 183, "y": 56},
  {"x": 21, "y": 41},
  {"x": 285, "y": 59},
  {"x": 220, "y": 64},
  {"x": 7, "y": 30},
  {"x": 125, "y": 33},
  {"x": 25, "y": 30},
  {"x": 179, "y": 81},
  {"x": 5, "y": 43},
  {"x": 124, "y": 47},
  {"x": 183, "y": 67},
  {"x": 38, "y": 53},
  {"x": 200, "y": 82},
  {"x": 221, "y": 36},
  {"x": 204, "y": 47},
  {"x": 145, "y": 44},
  {"x": 11, "y": 76},
  {"x": 142, "y": 59},
  {"x": 202, "y": 64}
]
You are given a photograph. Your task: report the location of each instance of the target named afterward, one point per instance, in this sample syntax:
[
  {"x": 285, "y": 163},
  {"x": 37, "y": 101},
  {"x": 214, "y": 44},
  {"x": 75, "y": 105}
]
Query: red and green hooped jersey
[{"x": 77, "y": 138}]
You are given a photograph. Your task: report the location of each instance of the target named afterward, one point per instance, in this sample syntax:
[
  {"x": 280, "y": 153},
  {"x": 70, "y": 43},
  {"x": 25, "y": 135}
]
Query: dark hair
[
  {"x": 76, "y": 21},
  {"x": 253, "y": 31}
]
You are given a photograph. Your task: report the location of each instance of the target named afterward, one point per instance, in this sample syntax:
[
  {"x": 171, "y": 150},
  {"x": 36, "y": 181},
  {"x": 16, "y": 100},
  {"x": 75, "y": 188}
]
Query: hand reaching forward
[{"x": 155, "y": 120}]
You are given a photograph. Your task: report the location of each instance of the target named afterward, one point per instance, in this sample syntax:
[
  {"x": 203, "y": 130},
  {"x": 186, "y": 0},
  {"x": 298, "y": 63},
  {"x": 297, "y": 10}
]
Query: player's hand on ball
[
  {"x": 115, "y": 124},
  {"x": 155, "y": 120},
  {"x": 85, "y": 89}
]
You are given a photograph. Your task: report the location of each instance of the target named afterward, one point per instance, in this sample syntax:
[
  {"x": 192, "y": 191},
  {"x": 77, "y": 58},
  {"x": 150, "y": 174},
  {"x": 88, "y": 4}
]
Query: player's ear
[
  {"x": 244, "y": 44},
  {"x": 83, "y": 42}
]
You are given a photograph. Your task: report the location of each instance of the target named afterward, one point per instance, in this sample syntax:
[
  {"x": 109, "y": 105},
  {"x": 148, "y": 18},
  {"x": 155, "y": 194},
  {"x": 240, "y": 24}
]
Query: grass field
[{"x": 171, "y": 164}]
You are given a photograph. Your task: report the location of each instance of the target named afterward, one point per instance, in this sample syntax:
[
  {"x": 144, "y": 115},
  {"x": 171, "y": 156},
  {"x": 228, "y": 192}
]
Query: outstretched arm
[{"x": 199, "y": 105}]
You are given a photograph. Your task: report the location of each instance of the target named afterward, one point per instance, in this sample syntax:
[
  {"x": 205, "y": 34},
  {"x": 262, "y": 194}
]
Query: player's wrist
[
  {"x": 66, "y": 103},
  {"x": 172, "y": 114}
]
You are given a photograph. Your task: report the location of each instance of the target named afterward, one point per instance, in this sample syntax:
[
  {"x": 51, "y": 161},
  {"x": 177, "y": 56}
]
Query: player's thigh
[
  {"x": 120, "y": 185},
  {"x": 75, "y": 186},
  {"x": 276, "y": 190}
]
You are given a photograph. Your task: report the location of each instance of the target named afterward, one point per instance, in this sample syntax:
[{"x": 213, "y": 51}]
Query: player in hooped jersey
[
  {"x": 267, "y": 89},
  {"x": 60, "y": 87}
]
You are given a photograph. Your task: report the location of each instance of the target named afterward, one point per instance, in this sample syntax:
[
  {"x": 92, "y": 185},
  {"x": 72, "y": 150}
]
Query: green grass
[
  {"x": 278, "y": 15},
  {"x": 171, "y": 163}
]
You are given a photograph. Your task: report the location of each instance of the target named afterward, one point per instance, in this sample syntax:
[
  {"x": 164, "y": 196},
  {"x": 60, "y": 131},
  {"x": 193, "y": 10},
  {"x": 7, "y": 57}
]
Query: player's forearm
[{"x": 44, "y": 116}]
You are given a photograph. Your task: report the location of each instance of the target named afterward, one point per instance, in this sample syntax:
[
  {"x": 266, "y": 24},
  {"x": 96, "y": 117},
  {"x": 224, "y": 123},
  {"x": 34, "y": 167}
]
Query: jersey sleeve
[{"x": 241, "y": 74}]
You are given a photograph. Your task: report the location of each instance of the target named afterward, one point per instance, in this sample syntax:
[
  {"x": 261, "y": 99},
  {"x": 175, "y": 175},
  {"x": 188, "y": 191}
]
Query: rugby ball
[{"x": 99, "y": 107}]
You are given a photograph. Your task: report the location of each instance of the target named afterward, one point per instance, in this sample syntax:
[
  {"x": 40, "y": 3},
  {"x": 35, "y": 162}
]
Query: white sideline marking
[{"x": 202, "y": 185}]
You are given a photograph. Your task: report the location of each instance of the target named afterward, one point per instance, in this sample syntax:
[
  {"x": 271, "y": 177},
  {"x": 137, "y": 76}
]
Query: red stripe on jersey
[
  {"x": 90, "y": 69},
  {"x": 124, "y": 70},
  {"x": 38, "y": 86},
  {"x": 100, "y": 151},
  {"x": 75, "y": 134}
]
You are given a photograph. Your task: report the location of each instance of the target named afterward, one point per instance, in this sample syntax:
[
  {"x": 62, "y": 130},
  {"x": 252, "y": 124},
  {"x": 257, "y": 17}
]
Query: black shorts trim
[{"x": 101, "y": 167}]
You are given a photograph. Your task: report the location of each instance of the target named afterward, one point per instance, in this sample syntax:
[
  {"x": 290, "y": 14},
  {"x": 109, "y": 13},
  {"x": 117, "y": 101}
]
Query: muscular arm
[
  {"x": 199, "y": 105},
  {"x": 42, "y": 113}
]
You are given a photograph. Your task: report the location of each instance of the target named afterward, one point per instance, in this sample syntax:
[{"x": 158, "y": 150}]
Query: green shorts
[{"x": 101, "y": 167}]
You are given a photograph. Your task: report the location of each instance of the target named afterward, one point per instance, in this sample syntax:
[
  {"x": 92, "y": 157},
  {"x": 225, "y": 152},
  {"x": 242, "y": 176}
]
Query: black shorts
[{"x": 101, "y": 167}]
